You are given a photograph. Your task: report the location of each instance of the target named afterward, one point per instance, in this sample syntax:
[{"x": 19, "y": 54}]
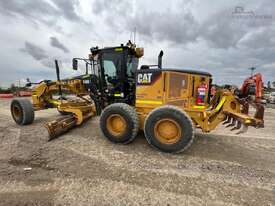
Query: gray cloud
[
  {"x": 117, "y": 7},
  {"x": 34, "y": 11},
  {"x": 114, "y": 13},
  {"x": 233, "y": 44},
  {"x": 26, "y": 8},
  {"x": 57, "y": 44},
  {"x": 192, "y": 35},
  {"x": 35, "y": 51},
  {"x": 41, "y": 11},
  {"x": 38, "y": 54},
  {"x": 68, "y": 9},
  {"x": 164, "y": 25},
  {"x": 225, "y": 29},
  {"x": 262, "y": 37},
  {"x": 159, "y": 26},
  {"x": 220, "y": 30}
]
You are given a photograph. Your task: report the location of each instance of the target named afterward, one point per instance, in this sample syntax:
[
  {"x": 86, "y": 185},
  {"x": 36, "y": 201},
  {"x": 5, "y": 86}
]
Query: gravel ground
[{"x": 83, "y": 168}]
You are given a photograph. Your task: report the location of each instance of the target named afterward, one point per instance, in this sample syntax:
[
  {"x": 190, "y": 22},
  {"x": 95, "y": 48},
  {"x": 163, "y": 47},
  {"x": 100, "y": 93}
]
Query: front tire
[
  {"x": 169, "y": 129},
  {"x": 22, "y": 111},
  {"x": 119, "y": 123}
]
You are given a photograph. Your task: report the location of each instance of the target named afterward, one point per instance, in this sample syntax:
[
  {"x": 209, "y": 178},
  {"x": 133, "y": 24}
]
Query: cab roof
[
  {"x": 176, "y": 70},
  {"x": 187, "y": 71}
]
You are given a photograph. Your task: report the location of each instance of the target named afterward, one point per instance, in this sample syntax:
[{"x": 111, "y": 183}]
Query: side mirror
[
  {"x": 29, "y": 84},
  {"x": 75, "y": 64}
]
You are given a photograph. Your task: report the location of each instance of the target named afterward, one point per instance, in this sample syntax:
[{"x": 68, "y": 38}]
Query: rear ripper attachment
[
  {"x": 235, "y": 111},
  {"x": 249, "y": 95},
  {"x": 241, "y": 120}
]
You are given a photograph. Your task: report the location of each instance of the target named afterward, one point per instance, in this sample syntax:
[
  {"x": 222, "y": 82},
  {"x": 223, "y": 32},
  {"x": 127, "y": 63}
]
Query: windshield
[{"x": 112, "y": 64}]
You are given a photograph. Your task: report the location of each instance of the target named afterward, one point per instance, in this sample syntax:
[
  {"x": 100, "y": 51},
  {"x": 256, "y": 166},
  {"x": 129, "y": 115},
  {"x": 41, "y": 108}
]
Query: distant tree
[
  {"x": 12, "y": 87},
  {"x": 273, "y": 84}
]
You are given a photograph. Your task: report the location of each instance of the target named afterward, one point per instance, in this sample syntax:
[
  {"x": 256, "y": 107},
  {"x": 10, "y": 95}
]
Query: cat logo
[{"x": 145, "y": 78}]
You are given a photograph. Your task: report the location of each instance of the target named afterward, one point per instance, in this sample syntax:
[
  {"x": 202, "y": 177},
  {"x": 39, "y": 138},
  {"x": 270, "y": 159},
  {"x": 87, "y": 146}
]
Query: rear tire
[
  {"x": 119, "y": 123},
  {"x": 169, "y": 129},
  {"x": 22, "y": 111}
]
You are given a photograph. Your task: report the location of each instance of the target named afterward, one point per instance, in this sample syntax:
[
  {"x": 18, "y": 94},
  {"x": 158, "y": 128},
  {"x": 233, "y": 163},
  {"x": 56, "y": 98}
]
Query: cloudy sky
[{"x": 224, "y": 38}]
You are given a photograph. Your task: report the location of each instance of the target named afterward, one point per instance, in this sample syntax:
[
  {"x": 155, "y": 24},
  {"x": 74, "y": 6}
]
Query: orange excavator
[
  {"x": 250, "y": 94},
  {"x": 253, "y": 85}
]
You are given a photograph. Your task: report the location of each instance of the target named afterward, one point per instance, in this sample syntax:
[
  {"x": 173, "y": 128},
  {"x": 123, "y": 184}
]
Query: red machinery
[
  {"x": 253, "y": 86},
  {"x": 249, "y": 94}
]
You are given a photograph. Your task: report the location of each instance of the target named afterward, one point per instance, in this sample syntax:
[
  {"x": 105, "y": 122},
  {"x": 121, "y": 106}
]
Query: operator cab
[
  {"x": 118, "y": 66},
  {"x": 113, "y": 71}
]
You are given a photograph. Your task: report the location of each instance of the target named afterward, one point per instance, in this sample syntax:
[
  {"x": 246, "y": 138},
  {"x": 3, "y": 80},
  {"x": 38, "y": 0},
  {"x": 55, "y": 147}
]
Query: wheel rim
[
  {"x": 16, "y": 112},
  {"x": 167, "y": 131},
  {"x": 116, "y": 125}
]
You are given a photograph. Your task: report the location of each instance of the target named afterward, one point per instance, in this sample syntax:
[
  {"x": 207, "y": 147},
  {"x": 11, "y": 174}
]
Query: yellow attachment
[
  {"x": 81, "y": 110},
  {"x": 43, "y": 93},
  {"x": 78, "y": 111},
  {"x": 220, "y": 104}
]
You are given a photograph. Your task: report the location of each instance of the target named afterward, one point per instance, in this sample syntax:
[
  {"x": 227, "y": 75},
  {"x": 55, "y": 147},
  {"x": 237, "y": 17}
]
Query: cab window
[
  {"x": 132, "y": 65},
  {"x": 112, "y": 62},
  {"x": 109, "y": 68}
]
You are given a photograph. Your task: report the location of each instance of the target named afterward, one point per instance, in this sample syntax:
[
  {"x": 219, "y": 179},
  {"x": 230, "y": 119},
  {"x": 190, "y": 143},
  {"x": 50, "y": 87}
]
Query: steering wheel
[{"x": 111, "y": 80}]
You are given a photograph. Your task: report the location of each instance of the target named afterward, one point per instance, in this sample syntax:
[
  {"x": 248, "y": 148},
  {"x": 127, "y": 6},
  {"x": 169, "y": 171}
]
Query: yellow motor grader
[{"x": 167, "y": 104}]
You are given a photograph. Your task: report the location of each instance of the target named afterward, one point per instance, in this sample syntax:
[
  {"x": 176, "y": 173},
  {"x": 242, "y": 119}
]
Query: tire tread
[
  {"x": 176, "y": 109},
  {"x": 27, "y": 109},
  {"x": 132, "y": 113}
]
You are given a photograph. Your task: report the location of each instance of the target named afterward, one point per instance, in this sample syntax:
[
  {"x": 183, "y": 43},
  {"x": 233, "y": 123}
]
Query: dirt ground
[{"x": 83, "y": 168}]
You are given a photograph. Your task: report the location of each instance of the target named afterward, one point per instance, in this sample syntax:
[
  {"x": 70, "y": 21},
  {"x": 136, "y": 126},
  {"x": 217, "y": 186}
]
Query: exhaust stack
[{"x": 160, "y": 59}]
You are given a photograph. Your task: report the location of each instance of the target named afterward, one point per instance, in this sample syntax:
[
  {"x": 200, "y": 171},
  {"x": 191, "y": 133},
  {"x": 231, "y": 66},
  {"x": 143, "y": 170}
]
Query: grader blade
[
  {"x": 79, "y": 113},
  {"x": 60, "y": 126}
]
